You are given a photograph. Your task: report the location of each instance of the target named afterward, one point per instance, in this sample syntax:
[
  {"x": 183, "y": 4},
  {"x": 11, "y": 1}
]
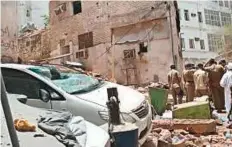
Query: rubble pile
[
  {"x": 161, "y": 137},
  {"x": 145, "y": 88}
]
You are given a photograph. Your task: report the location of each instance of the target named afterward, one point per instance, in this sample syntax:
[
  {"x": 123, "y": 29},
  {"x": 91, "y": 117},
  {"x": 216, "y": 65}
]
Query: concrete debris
[{"x": 161, "y": 137}]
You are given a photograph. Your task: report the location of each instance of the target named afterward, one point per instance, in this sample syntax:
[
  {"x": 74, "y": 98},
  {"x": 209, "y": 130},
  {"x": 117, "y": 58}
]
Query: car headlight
[
  {"x": 128, "y": 118},
  {"x": 124, "y": 116}
]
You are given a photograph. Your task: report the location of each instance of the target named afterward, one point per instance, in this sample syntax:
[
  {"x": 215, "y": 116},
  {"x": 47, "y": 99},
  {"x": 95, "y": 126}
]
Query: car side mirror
[{"x": 44, "y": 95}]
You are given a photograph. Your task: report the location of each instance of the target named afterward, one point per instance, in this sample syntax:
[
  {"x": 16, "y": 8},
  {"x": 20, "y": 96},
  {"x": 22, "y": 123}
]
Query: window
[
  {"x": 85, "y": 40},
  {"x": 199, "y": 17},
  {"x": 202, "y": 44},
  {"x": 220, "y": 3},
  {"x": 225, "y": 18},
  {"x": 129, "y": 54},
  {"x": 142, "y": 48},
  {"x": 186, "y": 15},
  {"x": 18, "y": 82},
  {"x": 226, "y": 2},
  {"x": 179, "y": 12},
  {"x": 28, "y": 13},
  {"x": 212, "y": 17},
  {"x": 76, "y": 7},
  {"x": 182, "y": 43},
  {"x": 215, "y": 42},
  {"x": 215, "y": 1},
  {"x": 231, "y": 4},
  {"x": 191, "y": 44}
]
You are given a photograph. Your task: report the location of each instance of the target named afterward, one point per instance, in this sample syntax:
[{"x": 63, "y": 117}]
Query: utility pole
[{"x": 8, "y": 115}]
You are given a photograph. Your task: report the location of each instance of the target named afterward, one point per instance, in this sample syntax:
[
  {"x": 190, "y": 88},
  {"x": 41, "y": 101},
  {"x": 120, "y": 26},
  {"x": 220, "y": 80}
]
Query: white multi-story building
[{"x": 202, "y": 24}]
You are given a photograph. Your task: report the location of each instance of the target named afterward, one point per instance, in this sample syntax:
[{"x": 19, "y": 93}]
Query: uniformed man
[
  {"x": 189, "y": 82},
  {"x": 201, "y": 81},
  {"x": 215, "y": 73},
  {"x": 174, "y": 81}
]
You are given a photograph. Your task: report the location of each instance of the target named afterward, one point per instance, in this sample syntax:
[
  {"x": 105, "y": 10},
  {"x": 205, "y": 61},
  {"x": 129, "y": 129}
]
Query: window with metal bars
[
  {"x": 212, "y": 17},
  {"x": 215, "y": 42},
  {"x": 85, "y": 40},
  {"x": 225, "y": 18}
]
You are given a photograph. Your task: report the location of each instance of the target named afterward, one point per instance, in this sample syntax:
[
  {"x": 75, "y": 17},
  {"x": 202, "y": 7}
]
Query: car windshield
[{"x": 70, "y": 80}]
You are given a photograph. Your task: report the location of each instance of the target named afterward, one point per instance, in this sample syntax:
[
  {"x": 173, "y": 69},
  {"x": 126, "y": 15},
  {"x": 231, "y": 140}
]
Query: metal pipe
[
  {"x": 8, "y": 115},
  {"x": 171, "y": 31}
]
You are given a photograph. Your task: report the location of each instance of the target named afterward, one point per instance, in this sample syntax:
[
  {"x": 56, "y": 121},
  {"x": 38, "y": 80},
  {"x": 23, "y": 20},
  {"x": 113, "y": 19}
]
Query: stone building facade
[
  {"x": 133, "y": 41},
  {"x": 34, "y": 45}
]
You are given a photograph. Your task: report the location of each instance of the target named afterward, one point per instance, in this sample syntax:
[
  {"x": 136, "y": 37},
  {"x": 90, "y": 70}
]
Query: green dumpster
[{"x": 159, "y": 98}]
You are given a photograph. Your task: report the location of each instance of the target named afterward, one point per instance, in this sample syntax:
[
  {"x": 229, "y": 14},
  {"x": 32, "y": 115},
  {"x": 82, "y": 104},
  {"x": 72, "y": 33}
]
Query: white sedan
[{"x": 82, "y": 95}]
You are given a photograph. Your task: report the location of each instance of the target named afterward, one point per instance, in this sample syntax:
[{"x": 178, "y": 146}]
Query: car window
[{"x": 18, "y": 82}]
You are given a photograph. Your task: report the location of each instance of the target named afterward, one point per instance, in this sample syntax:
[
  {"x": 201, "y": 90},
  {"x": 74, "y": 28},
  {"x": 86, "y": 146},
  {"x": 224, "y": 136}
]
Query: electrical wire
[{"x": 108, "y": 49}]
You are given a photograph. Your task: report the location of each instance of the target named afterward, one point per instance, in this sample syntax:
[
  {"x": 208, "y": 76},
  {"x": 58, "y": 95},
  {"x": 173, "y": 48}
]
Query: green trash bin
[{"x": 159, "y": 98}]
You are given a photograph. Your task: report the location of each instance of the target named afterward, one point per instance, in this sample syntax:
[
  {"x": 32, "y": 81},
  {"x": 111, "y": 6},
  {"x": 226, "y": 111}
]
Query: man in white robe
[{"x": 226, "y": 83}]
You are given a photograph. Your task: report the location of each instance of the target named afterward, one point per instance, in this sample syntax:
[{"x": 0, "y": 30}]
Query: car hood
[{"x": 129, "y": 98}]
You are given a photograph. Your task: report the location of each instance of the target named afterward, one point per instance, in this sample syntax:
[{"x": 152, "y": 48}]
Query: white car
[
  {"x": 80, "y": 94},
  {"x": 31, "y": 114}
]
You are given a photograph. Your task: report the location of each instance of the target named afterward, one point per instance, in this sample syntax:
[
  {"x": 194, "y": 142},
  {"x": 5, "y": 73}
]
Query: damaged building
[{"x": 134, "y": 42}]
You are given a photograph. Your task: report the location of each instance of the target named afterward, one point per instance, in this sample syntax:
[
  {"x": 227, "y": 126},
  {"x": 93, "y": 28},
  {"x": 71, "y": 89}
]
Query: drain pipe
[
  {"x": 171, "y": 31},
  {"x": 8, "y": 115}
]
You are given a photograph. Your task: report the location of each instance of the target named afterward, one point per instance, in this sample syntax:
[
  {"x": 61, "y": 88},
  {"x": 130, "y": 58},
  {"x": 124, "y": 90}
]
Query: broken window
[
  {"x": 186, "y": 15},
  {"x": 129, "y": 54},
  {"x": 61, "y": 8},
  {"x": 142, "y": 48},
  {"x": 85, "y": 40},
  {"x": 191, "y": 44},
  {"x": 202, "y": 44},
  {"x": 199, "y": 17},
  {"x": 76, "y": 7}
]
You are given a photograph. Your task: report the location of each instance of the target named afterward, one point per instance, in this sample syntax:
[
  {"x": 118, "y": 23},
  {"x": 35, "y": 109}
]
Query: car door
[{"x": 19, "y": 82}]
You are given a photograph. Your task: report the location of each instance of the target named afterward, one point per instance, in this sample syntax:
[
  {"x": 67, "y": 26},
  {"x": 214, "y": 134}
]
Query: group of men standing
[{"x": 212, "y": 79}]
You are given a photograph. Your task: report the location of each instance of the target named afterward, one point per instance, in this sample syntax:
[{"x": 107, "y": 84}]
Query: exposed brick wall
[
  {"x": 34, "y": 45},
  {"x": 100, "y": 17}
]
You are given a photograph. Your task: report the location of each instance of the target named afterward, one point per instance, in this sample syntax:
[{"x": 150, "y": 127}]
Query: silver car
[{"x": 80, "y": 94}]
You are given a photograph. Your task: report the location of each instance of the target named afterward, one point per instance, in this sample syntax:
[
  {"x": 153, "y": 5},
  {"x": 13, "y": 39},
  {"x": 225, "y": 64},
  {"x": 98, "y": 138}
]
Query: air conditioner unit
[
  {"x": 197, "y": 39},
  {"x": 193, "y": 14},
  {"x": 82, "y": 54}
]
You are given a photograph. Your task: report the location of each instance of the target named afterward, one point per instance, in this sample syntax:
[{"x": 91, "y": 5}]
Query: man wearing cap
[
  {"x": 215, "y": 73},
  {"x": 201, "y": 81},
  {"x": 189, "y": 82},
  {"x": 226, "y": 83}
]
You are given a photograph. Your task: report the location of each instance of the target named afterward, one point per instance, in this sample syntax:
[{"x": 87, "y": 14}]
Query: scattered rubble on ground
[{"x": 160, "y": 137}]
